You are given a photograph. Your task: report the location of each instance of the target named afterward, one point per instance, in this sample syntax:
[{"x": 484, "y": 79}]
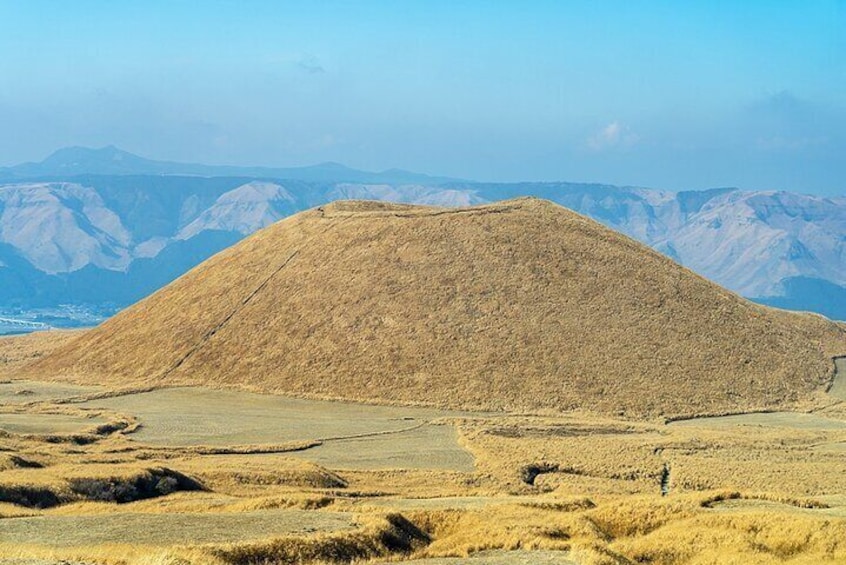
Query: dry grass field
[
  {"x": 793, "y": 420},
  {"x": 168, "y": 529},
  {"x": 192, "y": 416},
  {"x": 25, "y": 392},
  {"x": 32, "y": 423},
  {"x": 573, "y": 488},
  {"x": 514, "y": 557},
  {"x": 18, "y": 351}
]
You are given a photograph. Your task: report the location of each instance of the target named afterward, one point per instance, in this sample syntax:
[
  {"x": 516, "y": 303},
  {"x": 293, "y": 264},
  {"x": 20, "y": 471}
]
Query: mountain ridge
[
  {"x": 111, "y": 160},
  {"x": 758, "y": 244}
]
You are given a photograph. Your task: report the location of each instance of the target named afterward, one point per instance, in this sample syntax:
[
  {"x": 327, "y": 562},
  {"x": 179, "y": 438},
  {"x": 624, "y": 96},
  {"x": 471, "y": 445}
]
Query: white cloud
[{"x": 614, "y": 135}]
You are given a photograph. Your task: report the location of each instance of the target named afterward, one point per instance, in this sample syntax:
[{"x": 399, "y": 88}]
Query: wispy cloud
[
  {"x": 613, "y": 136},
  {"x": 310, "y": 64}
]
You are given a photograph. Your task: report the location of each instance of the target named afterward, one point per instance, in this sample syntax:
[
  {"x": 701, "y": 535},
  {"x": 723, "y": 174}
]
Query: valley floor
[{"x": 190, "y": 475}]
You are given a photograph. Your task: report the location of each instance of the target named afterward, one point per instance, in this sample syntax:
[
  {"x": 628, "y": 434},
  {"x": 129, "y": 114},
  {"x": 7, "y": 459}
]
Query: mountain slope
[
  {"x": 521, "y": 305},
  {"x": 753, "y": 242},
  {"x": 244, "y": 210}
]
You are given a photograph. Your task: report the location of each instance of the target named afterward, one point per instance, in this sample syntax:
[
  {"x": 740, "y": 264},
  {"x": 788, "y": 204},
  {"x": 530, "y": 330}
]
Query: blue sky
[{"x": 672, "y": 95}]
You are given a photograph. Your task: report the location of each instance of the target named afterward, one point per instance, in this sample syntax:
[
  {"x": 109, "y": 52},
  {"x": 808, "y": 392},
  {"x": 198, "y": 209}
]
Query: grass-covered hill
[{"x": 518, "y": 305}]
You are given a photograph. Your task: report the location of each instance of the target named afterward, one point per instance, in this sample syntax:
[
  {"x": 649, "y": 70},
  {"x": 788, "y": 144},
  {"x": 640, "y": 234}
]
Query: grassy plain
[
  {"x": 193, "y": 476},
  {"x": 33, "y": 423},
  {"x": 514, "y": 557},
  {"x": 168, "y": 529},
  {"x": 25, "y": 392},
  {"x": 197, "y": 416}
]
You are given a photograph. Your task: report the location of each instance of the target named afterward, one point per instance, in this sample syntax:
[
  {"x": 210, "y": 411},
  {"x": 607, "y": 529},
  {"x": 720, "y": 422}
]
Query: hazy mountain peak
[
  {"x": 330, "y": 166},
  {"x": 111, "y": 160},
  {"x": 248, "y": 207},
  {"x": 62, "y": 227}
]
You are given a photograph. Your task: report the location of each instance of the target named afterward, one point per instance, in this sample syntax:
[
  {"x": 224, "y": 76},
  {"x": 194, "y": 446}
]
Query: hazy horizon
[{"x": 654, "y": 94}]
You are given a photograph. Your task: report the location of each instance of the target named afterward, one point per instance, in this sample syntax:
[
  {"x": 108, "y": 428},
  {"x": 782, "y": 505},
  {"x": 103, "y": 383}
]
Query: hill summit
[{"x": 518, "y": 305}]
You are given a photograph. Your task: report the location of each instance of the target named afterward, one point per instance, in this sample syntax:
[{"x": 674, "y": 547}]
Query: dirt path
[{"x": 795, "y": 420}]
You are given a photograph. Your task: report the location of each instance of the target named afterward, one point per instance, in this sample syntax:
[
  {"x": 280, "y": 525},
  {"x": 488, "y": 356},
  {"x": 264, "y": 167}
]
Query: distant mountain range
[
  {"x": 103, "y": 226},
  {"x": 72, "y": 161}
]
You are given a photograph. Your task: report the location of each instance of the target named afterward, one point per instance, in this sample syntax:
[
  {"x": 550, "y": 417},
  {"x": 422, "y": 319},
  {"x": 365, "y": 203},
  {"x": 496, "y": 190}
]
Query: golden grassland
[
  {"x": 613, "y": 520},
  {"x": 584, "y": 485},
  {"x": 534, "y": 306},
  {"x": 18, "y": 351}
]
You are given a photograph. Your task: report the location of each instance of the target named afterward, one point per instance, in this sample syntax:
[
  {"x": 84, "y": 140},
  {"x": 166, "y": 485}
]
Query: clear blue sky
[{"x": 666, "y": 94}]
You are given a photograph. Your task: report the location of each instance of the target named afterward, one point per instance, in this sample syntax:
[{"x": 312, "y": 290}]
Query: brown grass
[
  {"x": 55, "y": 485},
  {"x": 623, "y": 521},
  {"x": 521, "y": 305},
  {"x": 17, "y": 351}
]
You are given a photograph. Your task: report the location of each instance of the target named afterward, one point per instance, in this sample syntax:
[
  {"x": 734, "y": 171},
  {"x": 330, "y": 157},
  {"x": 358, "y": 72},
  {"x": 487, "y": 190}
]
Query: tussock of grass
[
  {"x": 149, "y": 484},
  {"x": 223, "y": 473},
  {"x": 458, "y": 533},
  {"x": 119, "y": 554},
  {"x": 11, "y": 461},
  {"x": 30, "y": 496},
  {"x": 391, "y": 534},
  {"x": 304, "y": 501},
  {"x": 799, "y": 502},
  {"x": 743, "y": 538},
  {"x": 248, "y": 449},
  {"x": 123, "y": 425},
  {"x": 637, "y": 516},
  {"x": 11, "y": 510},
  {"x": 530, "y": 472},
  {"x": 45, "y": 488},
  {"x": 571, "y": 504}
]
